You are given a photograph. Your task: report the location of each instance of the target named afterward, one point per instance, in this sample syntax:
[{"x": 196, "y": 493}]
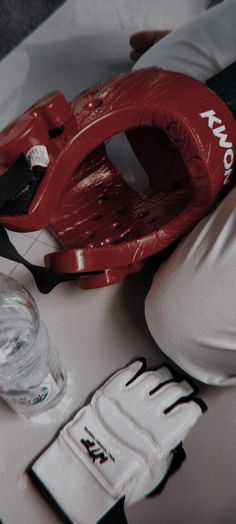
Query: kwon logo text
[{"x": 219, "y": 131}]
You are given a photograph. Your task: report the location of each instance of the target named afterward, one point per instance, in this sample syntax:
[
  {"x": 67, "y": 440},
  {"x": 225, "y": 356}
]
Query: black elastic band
[
  {"x": 45, "y": 278},
  {"x": 18, "y": 176}
]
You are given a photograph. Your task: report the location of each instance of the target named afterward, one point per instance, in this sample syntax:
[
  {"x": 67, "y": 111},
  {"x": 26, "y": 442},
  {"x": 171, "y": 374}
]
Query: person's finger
[
  {"x": 142, "y": 40},
  {"x": 135, "y": 55}
]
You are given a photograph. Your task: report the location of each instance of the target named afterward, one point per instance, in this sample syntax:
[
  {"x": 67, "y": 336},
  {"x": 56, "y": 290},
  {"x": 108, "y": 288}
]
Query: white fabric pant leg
[
  {"x": 191, "y": 306},
  {"x": 200, "y": 48}
]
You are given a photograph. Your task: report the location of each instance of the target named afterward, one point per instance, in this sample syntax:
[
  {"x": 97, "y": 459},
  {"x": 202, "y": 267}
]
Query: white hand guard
[{"x": 120, "y": 446}]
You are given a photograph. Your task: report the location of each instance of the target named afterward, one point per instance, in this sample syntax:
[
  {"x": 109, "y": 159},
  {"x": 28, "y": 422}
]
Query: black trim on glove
[
  {"x": 179, "y": 456},
  {"x": 48, "y": 496},
  {"x": 116, "y": 515},
  {"x": 142, "y": 369}
]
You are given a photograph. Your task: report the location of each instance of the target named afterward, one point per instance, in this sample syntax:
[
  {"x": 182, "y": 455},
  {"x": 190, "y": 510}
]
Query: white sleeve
[{"x": 201, "y": 48}]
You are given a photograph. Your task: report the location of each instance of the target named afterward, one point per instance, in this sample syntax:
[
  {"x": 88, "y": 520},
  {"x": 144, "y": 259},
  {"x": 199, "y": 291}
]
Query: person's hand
[{"x": 143, "y": 40}]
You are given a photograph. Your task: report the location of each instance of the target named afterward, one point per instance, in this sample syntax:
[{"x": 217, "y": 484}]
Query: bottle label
[
  {"x": 38, "y": 156},
  {"x": 33, "y": 398}
]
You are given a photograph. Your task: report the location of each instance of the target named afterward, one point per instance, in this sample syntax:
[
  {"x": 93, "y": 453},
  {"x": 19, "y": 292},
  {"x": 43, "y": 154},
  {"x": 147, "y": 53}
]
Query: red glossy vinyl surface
[{"x": 99, "y": 221}]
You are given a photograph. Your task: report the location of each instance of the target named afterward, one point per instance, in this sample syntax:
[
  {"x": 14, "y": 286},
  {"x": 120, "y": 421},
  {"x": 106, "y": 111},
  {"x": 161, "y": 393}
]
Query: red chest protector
[{"x": 182, "y": 133}]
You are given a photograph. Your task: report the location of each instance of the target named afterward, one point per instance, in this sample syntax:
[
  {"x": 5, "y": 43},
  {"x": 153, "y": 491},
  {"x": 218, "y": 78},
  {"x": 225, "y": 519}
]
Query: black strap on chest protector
[{"x": 224, "y": 85}]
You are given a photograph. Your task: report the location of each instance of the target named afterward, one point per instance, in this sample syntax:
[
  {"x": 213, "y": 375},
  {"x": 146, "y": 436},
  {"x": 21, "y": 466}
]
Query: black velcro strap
[
  {"x": 45, "y": 278},
  {"x": 15, "y": 179},
  {"x": 224, "y": 85}
]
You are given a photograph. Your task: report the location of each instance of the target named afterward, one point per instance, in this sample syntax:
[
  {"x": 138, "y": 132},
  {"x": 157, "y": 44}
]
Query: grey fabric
[
  {"x": 19, "y": 18},
  {"x": 214, "y": 2}
]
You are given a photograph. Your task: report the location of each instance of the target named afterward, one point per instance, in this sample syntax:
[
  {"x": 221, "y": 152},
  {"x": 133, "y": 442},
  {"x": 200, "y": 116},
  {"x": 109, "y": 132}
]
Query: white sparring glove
[{"x": 120, "y": 446}]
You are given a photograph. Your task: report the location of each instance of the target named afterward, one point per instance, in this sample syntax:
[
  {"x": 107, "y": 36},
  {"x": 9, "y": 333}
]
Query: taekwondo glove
[{"x": 119, "y": 447}]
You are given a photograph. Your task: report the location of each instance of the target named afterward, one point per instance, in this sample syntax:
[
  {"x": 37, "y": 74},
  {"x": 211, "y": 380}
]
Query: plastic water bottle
[{"x": 32, "y": 378}]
